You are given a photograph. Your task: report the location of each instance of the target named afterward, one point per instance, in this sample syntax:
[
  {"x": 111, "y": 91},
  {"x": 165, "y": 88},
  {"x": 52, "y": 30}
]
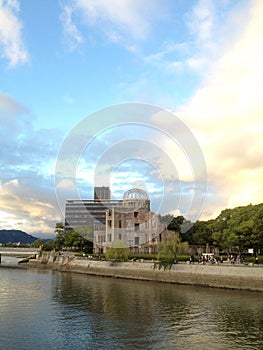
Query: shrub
[
  {"x": 183, "y": 258},
  {"x": 117, "y": 254},
  {"x": 252, "y": 259}
]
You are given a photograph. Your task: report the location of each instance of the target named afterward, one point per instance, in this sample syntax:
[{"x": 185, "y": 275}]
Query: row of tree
[{"x": 234, "y": 229}]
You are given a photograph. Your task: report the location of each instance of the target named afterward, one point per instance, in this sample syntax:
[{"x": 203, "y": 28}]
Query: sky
[{"x": 165, "y": 95}]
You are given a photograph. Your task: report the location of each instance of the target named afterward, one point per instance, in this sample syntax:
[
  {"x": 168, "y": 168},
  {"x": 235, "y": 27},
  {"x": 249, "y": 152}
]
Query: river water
[{"x": 51, "y": 310}]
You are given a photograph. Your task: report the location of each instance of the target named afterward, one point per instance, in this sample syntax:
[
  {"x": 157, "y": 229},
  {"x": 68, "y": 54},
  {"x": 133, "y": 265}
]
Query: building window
[
  {"x": 109, "y": 237},
  {"x": 135, "y": 214},
  {"x": 136, "y": 240},
  {"x": 120, "y": 236},
  {"x": 119, "y": 223},
  {"x": 136, "y": 227}
]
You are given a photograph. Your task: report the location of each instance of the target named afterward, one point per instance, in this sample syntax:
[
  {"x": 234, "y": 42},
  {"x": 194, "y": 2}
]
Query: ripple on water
[{"x": 65, "y": 311}]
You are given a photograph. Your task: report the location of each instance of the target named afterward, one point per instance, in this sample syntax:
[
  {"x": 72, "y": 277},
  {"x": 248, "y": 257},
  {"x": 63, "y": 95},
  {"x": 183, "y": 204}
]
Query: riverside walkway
[{"x": 218, "y": 275}]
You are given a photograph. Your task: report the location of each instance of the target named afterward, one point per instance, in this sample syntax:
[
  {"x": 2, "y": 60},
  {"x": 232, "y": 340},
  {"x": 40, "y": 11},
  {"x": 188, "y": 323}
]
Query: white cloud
[
  {"x": 201, "y": 21},
  {"x": 226, "y": 116},
  {"x": 204, "y": 39},
  {"x": 11, "y": 42},
  {"x": 71, "y": 33},
  {"x": 194, "y": 52},
  {"x": 120, "y": 21},
  {"x": 66, "y": 184},
  {"x": 126, "y": 16},
  {"x": 21, "y": 209},
  {"x": 13, "y": 182}
]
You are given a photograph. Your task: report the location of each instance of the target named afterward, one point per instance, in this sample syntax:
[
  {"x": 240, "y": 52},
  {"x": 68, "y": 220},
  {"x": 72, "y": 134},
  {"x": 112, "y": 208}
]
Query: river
[{"x": 53, "y": 310}]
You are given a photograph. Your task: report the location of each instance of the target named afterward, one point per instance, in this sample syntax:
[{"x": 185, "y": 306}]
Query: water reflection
[
  {"x": 126, "y": 312},
  {"x": 46, "y": 310},
  {"x": 142, "y": 315},
  {"x": 241, "y": 319}
]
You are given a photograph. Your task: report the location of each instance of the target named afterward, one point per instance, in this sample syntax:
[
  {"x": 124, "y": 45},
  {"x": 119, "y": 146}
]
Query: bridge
[{"x": 19, "y": 251}]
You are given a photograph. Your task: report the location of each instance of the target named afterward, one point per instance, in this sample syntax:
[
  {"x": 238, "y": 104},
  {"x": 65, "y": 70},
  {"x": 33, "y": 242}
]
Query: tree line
[{"x": 234, "y": 229}]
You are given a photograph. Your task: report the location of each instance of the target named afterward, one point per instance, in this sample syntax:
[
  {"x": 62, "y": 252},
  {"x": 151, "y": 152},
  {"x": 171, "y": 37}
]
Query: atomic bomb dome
[
  {"x": 136, "y": 193},
  {"x": 136, "y": 198}
]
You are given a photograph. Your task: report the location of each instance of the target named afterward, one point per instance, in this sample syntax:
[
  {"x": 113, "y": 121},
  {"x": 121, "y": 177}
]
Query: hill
[{"x": 16, "y": 236}]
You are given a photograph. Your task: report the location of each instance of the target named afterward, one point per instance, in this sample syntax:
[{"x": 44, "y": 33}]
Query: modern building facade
[
  {"x": 86, "y": 212},
  {"x": 89, "y": 212}
]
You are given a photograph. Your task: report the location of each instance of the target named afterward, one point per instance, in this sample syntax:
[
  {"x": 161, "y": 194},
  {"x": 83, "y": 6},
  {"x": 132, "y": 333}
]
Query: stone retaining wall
[{"x": 221, "y": 276}]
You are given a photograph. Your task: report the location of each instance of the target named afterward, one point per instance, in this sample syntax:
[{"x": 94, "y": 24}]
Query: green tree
[
  {"x": 50, "y": 245},
  {"x": 73, "y": 240},
  {"x": 199, "y": 233},
  {"x": 118, "y": 252},
  {"x": 175, "y": 223},
  {"x": 257, "y": 235},
  {"x": 38, "y": 243},
  {"x": 239, "y": 228},
  {"x": 60, "y": 240},
  {"x": 86, "y": 232},
  {"x": 165, "y": 219},
  {"x": 59, "y": 227},
  {"x": 169, "y": 248}
]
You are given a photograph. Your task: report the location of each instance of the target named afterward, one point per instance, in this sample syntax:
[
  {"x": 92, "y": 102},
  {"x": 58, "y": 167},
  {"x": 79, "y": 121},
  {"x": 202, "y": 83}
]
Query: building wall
[
  {"x": 132, "y": 223},
  {"x": 102, "y": 193}
]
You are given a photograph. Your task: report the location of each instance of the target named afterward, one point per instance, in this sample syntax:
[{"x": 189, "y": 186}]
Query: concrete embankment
[{"x": 220, "y": 276}]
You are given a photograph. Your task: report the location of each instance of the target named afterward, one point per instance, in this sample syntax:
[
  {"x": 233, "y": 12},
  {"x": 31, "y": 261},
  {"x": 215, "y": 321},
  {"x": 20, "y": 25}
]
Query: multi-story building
[
  {"x": 132, "y": 222},
  {"x": 86, "y": 212},
  {"x": 102, "y": 194},
  {"x": 129, "y": 220},
  {"x": 89, "y": 212}
]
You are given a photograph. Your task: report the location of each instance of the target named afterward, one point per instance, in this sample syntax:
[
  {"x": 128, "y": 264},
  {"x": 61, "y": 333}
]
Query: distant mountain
[{"x": 16, "y": 236}]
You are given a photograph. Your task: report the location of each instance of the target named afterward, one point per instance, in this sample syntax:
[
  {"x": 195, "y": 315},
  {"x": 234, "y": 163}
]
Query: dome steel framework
[{"x": 136, "y": 193}]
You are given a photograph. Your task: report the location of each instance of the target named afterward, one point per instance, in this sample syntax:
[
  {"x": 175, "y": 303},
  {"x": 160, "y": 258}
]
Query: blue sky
[{"x": 66, "y": 64}]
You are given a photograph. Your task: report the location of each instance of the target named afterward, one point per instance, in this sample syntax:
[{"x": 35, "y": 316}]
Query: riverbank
[{"x": 219, "y": 276}]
